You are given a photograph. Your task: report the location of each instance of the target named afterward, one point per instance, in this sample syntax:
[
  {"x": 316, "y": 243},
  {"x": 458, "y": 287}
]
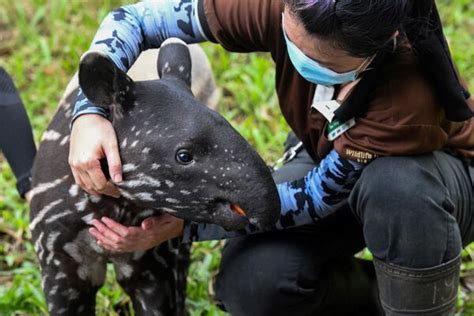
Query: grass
[{"x": 40, "y": 45}]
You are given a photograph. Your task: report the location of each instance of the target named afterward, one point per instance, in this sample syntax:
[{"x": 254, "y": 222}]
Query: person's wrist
[{"x": 88, "y": 118}]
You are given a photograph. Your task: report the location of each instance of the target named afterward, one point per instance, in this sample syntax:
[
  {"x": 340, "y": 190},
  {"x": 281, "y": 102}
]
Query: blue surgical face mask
[{"x": 313, "y": 72}]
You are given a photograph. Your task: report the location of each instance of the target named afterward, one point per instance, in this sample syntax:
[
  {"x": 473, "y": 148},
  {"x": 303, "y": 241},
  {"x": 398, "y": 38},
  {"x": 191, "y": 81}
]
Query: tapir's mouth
[
  {"x": 229, "y": 207},
  {"x": 238, "y": 210},
  {"x": 232, "y": 215}
]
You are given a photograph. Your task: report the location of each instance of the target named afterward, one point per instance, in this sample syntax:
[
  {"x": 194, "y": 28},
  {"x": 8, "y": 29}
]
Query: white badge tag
[
  {"x": 327, "y": 108},
  {"x": 336, "y": 128}
]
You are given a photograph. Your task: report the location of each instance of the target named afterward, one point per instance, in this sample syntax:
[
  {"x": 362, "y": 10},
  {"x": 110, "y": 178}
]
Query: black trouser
[{"x": 414, "y": 211}]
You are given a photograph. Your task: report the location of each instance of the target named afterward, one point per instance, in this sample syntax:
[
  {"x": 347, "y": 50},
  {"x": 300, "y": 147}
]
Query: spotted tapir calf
[{"x": 178, "y": 157}]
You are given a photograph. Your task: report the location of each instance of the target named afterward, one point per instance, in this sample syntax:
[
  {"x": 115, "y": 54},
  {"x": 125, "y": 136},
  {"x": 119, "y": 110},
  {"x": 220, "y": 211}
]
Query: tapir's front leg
[
  {"x": 72, "y": 272},
  {"x": 156, "y": 279}
]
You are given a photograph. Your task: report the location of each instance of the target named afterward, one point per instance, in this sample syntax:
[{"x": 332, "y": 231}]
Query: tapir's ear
[
  {"x": 104, "y": 84},
  {"x": 174, "y": 60}
]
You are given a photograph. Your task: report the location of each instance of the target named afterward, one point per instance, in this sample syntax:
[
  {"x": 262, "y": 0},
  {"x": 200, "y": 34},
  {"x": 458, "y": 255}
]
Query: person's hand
[
  {"x": 93, "y": 138},
  {"x": 153, "y": 231}
]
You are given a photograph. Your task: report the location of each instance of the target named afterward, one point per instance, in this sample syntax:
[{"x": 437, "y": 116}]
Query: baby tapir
[{"x": 178, "y": 157}]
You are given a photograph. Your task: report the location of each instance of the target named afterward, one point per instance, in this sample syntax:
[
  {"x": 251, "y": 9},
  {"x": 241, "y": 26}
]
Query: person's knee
[
  {"x": 265, "y": 278},
  {"x": 405, "y": 212}
]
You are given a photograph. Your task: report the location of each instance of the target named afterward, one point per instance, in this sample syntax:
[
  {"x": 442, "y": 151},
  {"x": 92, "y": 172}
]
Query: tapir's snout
[
  {"x": 258, "y": 205},
  {"x": 246, "y": 192}
]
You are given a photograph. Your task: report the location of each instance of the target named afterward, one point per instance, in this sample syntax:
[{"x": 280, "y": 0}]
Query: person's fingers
[
  {"x": 113, "y": 159},
  {"x": 107, "y": 232},
  {"x": 94, "y": 232},
  {"x": 77, "y": 177},
  {"x": 81, "y": 180},
  {"x": 88, "y": 185},
  {"x": 102, "y": 241},
  {"x": 149, "y": 223},
  {"x": 117, "y": 228},
  {"x": 107, "y": 245},
  {"x": 96, "y": 175},
  {"x": 111, "y": 190}
]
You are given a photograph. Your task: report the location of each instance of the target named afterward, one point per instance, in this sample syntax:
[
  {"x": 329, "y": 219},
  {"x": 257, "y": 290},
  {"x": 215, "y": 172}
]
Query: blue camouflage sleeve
[
  {"x": 323, "y": 191},
  {"x": 129, "y": 30}
]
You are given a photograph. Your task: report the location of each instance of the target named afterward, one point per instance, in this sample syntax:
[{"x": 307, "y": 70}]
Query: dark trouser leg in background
[
  {"x": 16, "y": 137},
  {"x": 305, "y": 271},
  {"x": 416, "y": 214}
]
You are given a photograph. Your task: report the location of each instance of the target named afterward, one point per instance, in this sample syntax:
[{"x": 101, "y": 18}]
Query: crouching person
[{"x": 386, "y": 131}]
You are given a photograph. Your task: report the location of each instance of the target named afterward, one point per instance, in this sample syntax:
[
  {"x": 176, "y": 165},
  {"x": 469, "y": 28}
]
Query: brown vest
[{"x": 403, "y": 116}]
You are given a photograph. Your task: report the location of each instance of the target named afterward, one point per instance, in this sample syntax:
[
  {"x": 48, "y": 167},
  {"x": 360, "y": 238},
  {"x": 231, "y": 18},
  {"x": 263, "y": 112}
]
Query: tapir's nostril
[{"x": 253, "y": 221}]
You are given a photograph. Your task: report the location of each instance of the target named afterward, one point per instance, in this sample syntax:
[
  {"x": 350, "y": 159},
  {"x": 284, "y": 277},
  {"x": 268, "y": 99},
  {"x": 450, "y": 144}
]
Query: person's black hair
[
  {"x": 366, "y": 27},
  {"x": 361, "y": 28}
]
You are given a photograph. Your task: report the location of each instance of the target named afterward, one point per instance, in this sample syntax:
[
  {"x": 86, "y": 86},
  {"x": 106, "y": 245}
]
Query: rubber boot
[{"x": 406, "y": 291}]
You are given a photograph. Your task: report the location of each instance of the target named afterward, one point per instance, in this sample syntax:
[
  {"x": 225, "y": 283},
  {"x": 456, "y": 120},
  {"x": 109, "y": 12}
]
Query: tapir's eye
[{"x": 183, "y": 156}]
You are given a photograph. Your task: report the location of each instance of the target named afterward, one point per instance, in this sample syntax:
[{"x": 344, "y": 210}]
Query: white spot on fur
[
  {"x": 124, "y": 143},
  {"x": 50, "y": 136},
  {"x": 43, "y": 212},
  {"x": 133, "y": 129},
  {"x": 142, "y": 181},
  {"x": 155, "y": 166},
  {"x": 89, "y": 269},
  {"x": 169, "y": 183},
  {"x": 144, "y": 196},
  {"x": 39, "y": 247},
  {"x": 124, "y": 271},
  {"x": 81, "y": 205},
  {"x": 73, "y": 250},
  {"x": 74, "y": 190},
  {"x": 139, "y": 297},
  {"x": 172, "y": 201},
  {"x": 138, "y": 133},
  {"x": 168, "y": 210},
  {"x": 134, "y": 144},
  {"x": 43, "y": 281},
  {"x": 146, "y": 150},
  {"x": 149, "y": 131},
  {"x": 43, "y": 187},
  {"x": 95, "y": 199},
  {"x": 73, "y": 294},
  {"x": 126, "y": 194},
  {"x": 50, "y": 244},
  {"x": 58, "y": 216},
  {"x": 60, "y": 276},
  {"x": 53, "y": 290},
  {"x": 88, "y": 218},
  {"x": 129, "y": 167},
  {"x": 65, "y": 140},
  {"x": 185, "y": 192}
]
